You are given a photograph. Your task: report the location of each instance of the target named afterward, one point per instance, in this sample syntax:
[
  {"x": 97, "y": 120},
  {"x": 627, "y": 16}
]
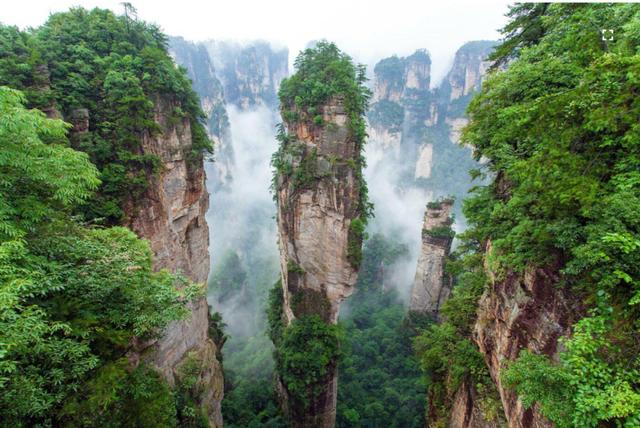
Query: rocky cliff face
[
  {"x": 469, "y": 67},
  {"x": 195, "y": 58},
  {"x": 314, "y": 224},
  {"x": 398, "y": 83},
  {"x": 171, "y": 215},
  {"x": 396, "y": 78},
  {"x": 250, "y": 74},
  {"x": 432, "y": 286},
  {"x": 419, "y": 127},
  {"x": 467, "y": 410},
  {"x": 522, "y": 311}
]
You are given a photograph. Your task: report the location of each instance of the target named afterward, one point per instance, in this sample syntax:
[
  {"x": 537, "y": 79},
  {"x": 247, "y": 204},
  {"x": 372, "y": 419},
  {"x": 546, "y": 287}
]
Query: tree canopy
[
  {"x": 559, "y": 128},
  {"x": 118, "y": 69}
]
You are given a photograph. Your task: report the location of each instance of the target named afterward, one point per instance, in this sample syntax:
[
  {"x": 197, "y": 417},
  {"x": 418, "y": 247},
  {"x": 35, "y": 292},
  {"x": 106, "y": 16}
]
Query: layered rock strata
[
  {"x": 171, "y": 216},
  {"x": 522, "y": 311},
  {"x": 316, "y": 208},
  {"x": 431, "y": 286}
]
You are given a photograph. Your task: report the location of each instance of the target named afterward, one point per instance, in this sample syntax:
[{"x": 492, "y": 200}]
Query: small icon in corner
[{"x": 607, "y": 35}]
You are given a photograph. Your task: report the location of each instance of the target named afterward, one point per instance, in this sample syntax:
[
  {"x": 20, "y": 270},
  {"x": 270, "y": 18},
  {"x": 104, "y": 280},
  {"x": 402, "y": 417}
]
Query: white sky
[{"x": 367, "y": 30}]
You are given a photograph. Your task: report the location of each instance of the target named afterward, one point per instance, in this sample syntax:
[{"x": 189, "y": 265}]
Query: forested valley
[{"x": 201, "y": 234}]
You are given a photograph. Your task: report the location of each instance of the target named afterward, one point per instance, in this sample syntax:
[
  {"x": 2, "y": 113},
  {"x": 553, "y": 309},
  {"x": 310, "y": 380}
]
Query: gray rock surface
[
  {"x": 431, "y": 287},
  {"x": 171, "y": 216}
]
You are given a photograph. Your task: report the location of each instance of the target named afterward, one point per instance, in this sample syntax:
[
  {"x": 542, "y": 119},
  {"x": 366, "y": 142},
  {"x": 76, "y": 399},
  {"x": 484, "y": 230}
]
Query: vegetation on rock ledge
[
  {"x": 560, "y": 130},
  {"x": 119, "y": 70}
]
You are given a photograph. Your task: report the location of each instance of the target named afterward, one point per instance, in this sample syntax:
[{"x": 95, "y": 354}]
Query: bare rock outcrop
[
  {"x": 467, "y": 410},
  {"x": 470, "y": 65},
  {"x": 171, "y": 216},
  {"x": 431, "y": 286}
]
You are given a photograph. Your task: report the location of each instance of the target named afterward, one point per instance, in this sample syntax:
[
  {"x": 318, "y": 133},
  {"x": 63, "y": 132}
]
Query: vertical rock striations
[
  {"x": 469, "y": 68},
  {"x": 251, "y": 73},
  {"x": 171, "y": 215},
  {"x": 432, "y": 286},
  {"x": 467, "y": 410},
  {"x": 314, "y": 220},
  {"x": 322, "y": 212},
  {"x": 418, "y": 126},
  {"x": 522, "y": 311}
]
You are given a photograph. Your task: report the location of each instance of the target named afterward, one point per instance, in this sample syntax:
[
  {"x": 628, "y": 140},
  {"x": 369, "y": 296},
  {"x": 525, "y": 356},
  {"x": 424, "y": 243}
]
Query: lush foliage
[
  {"x": 447, "y": 353},
  {"x": 560, "y": 130},
  {"x": 323, "y": 72},
  {"x": 308, "y": 350},
  {"x": 250, "y": 398},
  {"x": 379, "y": 375},
  {"x": 71, "y": 297},
  {"x": 118, "y": 69}
]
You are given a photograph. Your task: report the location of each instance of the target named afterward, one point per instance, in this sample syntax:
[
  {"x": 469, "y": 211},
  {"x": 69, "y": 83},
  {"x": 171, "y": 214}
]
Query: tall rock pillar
[
  {"x": 322, "y": 212},
  {"x": 171, "y": 215},
  {"x": 431, "y": 286}
]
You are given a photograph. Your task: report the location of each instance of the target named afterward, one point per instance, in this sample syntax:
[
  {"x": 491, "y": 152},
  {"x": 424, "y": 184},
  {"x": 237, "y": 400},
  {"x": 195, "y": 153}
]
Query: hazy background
[
  {"x": 244, "y": 250},
  {"x": 367, "y": 30}
]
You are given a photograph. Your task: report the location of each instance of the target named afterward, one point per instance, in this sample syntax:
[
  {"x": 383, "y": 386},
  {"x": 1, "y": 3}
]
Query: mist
[
  {"x": 398, "y": 212},
  {"x": 242, "y": 218}
]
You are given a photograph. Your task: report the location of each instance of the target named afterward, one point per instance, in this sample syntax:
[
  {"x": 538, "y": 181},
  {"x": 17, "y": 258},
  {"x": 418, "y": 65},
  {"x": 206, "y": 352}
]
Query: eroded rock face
[
  {"x": 395, "y": 78},
  {"x": 250, "y": 73},
  {"x": 456, "y": 126},
  {"x": 467, "y": 410},
  {"x": 469, "y": 68},
  {"x": 314, "y": 221},
  {"x": 431, "y": 287},
  {"x": 171, "y": 216},
  {"x": 522, "y": 311}
]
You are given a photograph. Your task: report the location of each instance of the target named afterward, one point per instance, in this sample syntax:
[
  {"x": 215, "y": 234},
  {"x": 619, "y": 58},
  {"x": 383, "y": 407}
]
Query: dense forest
[
  {"x": 555, "y": 129},
  {"x": 380, "y": 377},
  {"x": 559, "y": 128},
  {"x": 76, "y": 287}
]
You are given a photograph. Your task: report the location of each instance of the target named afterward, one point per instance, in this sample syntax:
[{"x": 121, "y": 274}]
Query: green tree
[
  {"x": 559, "y": 129},
  {"x": 119, "y": 70},
  {"x": 71, "y": 298}
]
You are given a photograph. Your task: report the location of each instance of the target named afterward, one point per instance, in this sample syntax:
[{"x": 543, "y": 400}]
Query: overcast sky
[{"x": 367, "y": 30}]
